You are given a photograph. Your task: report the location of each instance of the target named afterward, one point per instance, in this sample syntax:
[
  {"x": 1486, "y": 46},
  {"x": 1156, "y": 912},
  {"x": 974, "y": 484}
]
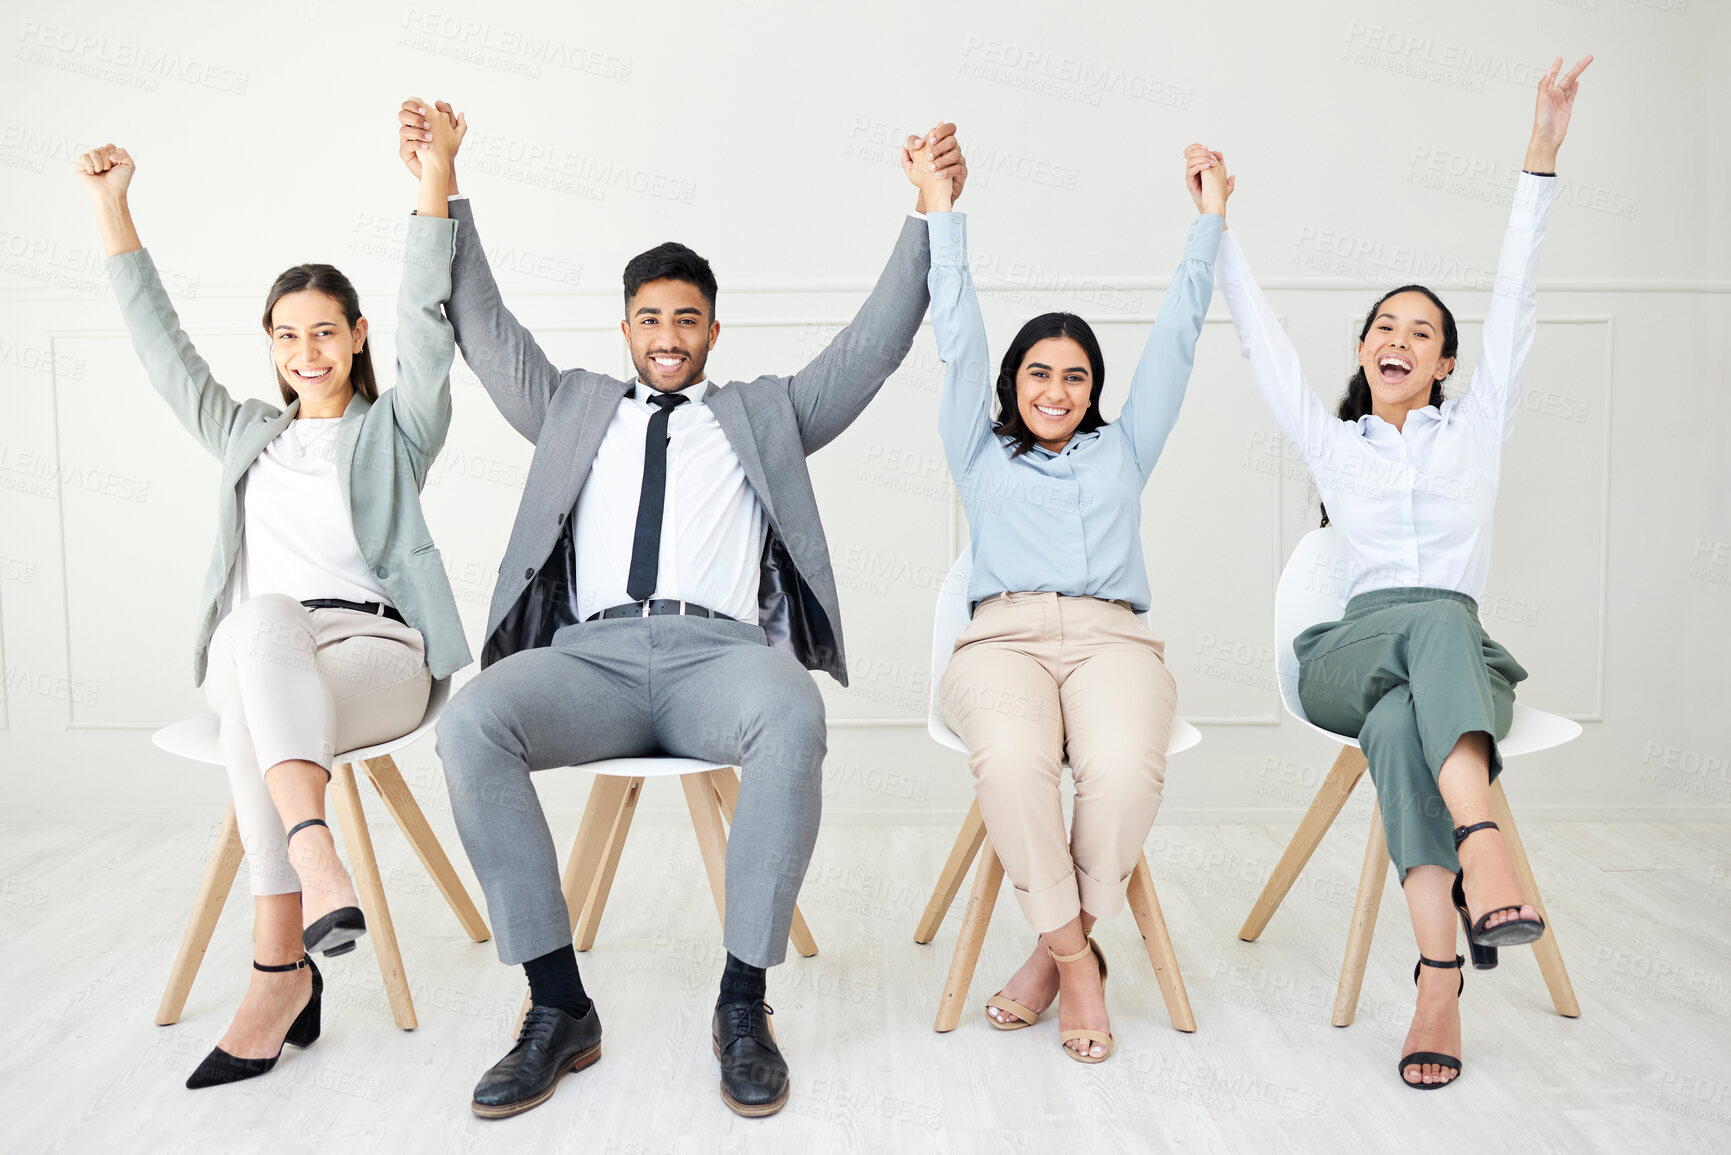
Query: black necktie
[{"x": 646, "y": 545}]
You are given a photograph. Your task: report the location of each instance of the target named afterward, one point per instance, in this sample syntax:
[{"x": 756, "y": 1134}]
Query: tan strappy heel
[
  {"x": 1026, "y": 1016},
  {"x": 1087, "y": 1035}
]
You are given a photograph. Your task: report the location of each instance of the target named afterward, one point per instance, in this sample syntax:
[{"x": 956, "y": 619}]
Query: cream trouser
[
  {"x": 1036, "y": 677},
  {"x": 294, "y": 683}
]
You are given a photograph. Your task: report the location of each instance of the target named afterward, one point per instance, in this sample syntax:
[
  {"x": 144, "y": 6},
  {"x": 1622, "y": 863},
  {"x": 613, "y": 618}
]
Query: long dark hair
[
  {"x": 1009, "y": 422},
  {"x": 326, "y": 279},
  {"x": 1357, "y": 401}
]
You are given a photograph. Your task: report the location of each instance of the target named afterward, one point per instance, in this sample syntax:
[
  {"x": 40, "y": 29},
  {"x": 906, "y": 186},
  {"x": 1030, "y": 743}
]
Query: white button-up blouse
[{"x": 1413, "y": 506}]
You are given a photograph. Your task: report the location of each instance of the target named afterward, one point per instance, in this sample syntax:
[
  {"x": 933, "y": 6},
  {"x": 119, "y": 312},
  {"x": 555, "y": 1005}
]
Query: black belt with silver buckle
[
  {"x": 656, "y": 607},
  {"x": 377, "y": 609}
]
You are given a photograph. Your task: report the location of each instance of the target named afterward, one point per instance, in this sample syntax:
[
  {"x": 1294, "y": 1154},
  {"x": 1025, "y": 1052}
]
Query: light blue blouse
[{"x": 1070, "y": 522}]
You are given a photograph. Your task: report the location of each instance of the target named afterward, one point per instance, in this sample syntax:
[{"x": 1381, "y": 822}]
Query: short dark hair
[
  {"x": 670, "y": 261},
  {"x": 1009, "y": 423}
]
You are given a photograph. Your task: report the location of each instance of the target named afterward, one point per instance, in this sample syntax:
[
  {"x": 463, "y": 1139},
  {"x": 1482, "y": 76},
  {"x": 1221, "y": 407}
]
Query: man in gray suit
[{"x": 666, "y": 587}]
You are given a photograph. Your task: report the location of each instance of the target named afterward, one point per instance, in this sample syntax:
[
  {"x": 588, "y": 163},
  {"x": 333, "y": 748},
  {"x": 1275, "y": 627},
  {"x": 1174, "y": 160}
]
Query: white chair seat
[
  {"x": 659, "y": 766},
  {"x": 197, "y": 738},
  {"x": 1310, "y": 591}
]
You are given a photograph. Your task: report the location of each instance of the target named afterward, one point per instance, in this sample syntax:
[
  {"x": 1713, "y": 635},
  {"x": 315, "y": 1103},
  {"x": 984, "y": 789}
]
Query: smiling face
[
  {"x": 1053, "y": 387},
  {"x": 313, "y": 346},
  {"x": 670, "y": 331},
  {"x": 1402, "y": 353}
]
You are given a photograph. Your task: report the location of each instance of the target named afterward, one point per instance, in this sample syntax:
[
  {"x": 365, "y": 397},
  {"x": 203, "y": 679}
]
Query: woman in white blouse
[
  {"x": 326, "y": 610},
  {"x": 1409, "y": 481}
]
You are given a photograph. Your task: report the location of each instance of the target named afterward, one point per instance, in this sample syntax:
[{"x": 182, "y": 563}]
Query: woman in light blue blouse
[{"x": 1056, "y": 661}]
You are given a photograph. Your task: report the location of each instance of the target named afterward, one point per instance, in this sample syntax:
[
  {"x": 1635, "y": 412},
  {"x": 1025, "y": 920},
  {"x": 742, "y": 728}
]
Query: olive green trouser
[{"x": 1407, "y": 671}]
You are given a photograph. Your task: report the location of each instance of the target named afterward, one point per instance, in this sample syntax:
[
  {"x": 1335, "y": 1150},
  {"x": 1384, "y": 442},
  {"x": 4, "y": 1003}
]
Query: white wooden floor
[{"x": 89, "y": 921}]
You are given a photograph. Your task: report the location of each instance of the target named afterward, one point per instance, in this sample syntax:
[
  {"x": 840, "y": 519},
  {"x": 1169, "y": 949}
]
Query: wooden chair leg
[
  {"x": 1145, "y": 906},
  {"x": 962, "y": 855},
  {"x": 596, "y": 901},
  {"x": 976, "y": 917},
  {"x": 1364, "y": 910},
  {"x": 711, "y": 839},
  {"x": 726, "y": 782},
  {"x": 382, "y": 772},
  {"x": 1330, "y": 798},
  {"x": 364, "y": 867},
  {"x": 213, "y": 891},
  {"x": 1545, "y": 951},
  {"x": 599, "y": 814}
]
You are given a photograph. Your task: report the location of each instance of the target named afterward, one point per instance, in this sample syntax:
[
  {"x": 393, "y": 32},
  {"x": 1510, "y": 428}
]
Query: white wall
[{"x": 1374, "y": 143}]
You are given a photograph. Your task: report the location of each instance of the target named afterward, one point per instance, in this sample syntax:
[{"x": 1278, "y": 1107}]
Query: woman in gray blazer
[{"x": 326, "y": 609}]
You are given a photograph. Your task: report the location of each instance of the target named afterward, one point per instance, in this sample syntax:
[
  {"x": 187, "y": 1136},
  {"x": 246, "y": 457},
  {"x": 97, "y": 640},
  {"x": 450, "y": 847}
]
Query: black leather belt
[
  {"x": 655, "y": 608},
  {"x": 374, "y": 608}
]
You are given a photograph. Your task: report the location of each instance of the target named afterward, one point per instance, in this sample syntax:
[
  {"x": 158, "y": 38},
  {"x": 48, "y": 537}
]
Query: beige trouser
[
  {"x": 1036, "y": 676},
  {"x": 294, "y": 683}
]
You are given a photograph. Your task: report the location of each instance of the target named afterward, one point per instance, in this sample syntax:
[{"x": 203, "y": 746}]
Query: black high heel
[
  {"x": 1483, "y": 940},
  {"x": 1419, "y": 1058},
  {"x": 220, "y": 1067},
  {"x": 334, "y": 933}
]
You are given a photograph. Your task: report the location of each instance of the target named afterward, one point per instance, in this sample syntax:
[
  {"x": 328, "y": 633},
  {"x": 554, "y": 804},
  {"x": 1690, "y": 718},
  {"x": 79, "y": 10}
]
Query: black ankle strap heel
[
  {"x": 335, "y": 933},
  {"x": 1483, "y": 940},
  {"x": 1419, "y": 1058},
  {"x": 220, "y": 1067}
]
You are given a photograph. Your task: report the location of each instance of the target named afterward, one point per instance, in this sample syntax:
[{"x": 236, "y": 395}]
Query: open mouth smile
[
  {"x": 1393, "y": 368},
  {"x": 312, "y": 376}
]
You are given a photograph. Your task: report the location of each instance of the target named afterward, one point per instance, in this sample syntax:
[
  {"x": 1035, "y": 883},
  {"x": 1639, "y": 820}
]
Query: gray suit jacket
[
  {"x": 385, "y": 448},
  {"x": 773, "y": 423}
]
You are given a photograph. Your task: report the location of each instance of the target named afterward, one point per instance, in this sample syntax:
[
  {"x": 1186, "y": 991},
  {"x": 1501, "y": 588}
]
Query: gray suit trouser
[{"x": 627, "y": 687}]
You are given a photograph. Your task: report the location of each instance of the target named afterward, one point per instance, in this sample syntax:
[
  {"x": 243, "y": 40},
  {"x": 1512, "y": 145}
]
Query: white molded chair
[
  {"x": 949, "y": 621},
  {"x": 1311, "y": 590},
  {"x": 197, "y": 738}
]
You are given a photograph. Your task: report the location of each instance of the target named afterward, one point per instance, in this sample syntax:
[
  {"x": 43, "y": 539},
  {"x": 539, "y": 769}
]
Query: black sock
[
  {"x": 741, "y": 982},
  {"x": 554, "y": 982}
]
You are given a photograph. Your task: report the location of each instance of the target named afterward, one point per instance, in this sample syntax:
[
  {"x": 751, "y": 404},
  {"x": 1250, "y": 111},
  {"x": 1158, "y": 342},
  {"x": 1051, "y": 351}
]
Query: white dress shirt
[
  {"x": 713, "y": 527},
  {"x": 296, "y": 535},
  {"x": 1413, "y": 505}
]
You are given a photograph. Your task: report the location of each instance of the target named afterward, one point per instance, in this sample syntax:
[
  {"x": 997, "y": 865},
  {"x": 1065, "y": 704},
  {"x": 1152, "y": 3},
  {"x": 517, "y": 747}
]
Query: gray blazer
[
  {"x": 773, "y": 423},
  {"x": 385, "y": 447}
]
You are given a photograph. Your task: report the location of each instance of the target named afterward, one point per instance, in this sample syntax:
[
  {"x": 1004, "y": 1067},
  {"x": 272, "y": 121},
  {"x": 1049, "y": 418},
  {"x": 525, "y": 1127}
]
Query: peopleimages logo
[
  {"x": 107, "y": 58},
  {"x": 1423, "y": 56},
  {"x": 1065, "y": 77}
]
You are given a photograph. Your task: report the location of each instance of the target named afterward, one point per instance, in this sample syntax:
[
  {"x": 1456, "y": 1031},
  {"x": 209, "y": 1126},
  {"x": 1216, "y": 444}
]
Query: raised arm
[
  {"x": 421, "y": 402},
  {"x": 834, "y": 389},
  {"x": 1303, "y": 419},
  {"x": 1157, "y": 387},
  {"x": 1493, "y": 396},
  {"x": 174, "y": 367},
  {"x": 517, "y": 375},
  {"x": 965, "y": 409}
]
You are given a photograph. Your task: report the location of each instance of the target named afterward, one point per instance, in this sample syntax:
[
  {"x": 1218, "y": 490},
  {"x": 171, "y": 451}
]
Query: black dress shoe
[
  {"x": 551, "y": 1043},
  {"x": 753, "y": 1073},
  {"x": 220, "y": 1067}
]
